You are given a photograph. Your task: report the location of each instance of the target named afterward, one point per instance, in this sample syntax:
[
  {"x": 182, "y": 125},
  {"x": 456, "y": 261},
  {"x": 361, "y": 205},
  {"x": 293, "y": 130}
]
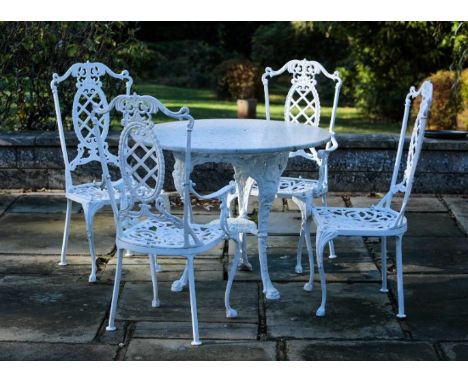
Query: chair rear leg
[
  {"x": 89, "y": 219},
  {"x": 383, "y": 256},
  {"x": 66, "y": 231},
  {"x": 300, "y": 244},
  {"x": 245, "y": 264},
  {"x": 310, "y": 252},
  {"x": 193, "y": 302},
  {"x": 230, "y": 312},
  {"x": 115, "y": 294},
  {"x": 399, "y": 266},
  {"x": 154, "y": 278}
]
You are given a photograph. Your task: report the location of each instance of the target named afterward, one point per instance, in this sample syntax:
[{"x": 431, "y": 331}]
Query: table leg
[{"x": 266, "y": 170}]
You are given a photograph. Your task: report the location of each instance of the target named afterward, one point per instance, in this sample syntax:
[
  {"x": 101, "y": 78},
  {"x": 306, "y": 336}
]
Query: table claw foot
[
  {"x": 177, "y": 286},
  {"x": 92, "y": 278},
  {"x": 308, "y": 287},
  {"x": 231, "y": 313},
  {"x": 298, "y": 269},
  {"x": 63, "y": 263},
  {"x": 111, "y": 328},
  {"x": 155, "y": 303},
  {"x": 320, "y": 312},
  {"x": 272, "y": 294},
  {"x": 196, "y": 343}
]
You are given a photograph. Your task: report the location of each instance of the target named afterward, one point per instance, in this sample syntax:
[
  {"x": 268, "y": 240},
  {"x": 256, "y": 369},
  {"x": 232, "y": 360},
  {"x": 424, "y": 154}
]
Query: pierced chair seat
[
  {"x": 167, "y": 237},
  {"x": 371, "y": 221},
  {"x": 93, "y": 192},
  {"x": 289, "y": 187}
]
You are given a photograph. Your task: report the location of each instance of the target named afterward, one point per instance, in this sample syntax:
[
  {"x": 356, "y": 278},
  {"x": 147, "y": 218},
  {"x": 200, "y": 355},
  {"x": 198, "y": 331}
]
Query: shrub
[
  {"x": 238, "y": 79},
  {"x": 30, "y": 52},
  {"x": 186, "y": 63},
  {"x": 462, "y": 117},
  {"x": 445, "y": 106}
]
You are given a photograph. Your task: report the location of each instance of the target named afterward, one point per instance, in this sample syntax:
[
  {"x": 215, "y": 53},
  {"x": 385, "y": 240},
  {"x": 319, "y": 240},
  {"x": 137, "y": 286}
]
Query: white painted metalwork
[
  {"x": 257, "y": 149},
  {"x": 143, "y": 222},
  {"x": 92, "y": 196},
  {"x": 302, "y": 106},
  {"x": 379, "y": 220}
]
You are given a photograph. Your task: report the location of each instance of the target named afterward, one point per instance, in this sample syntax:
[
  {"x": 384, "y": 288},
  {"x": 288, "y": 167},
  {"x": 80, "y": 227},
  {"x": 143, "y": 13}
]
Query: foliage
[
  {"x": 238, "y": 79},
  {"x": 462, "y": 117},
  {"x": 186, "y": 63},
  {"x": 30, "y": 52}
]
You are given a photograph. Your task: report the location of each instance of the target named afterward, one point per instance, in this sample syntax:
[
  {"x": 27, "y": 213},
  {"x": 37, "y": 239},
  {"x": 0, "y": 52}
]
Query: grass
[{"x": 204, "y": 104}]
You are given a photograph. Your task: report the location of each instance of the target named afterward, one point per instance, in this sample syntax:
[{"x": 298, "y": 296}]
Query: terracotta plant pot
[{"x": 247, "y": 108}]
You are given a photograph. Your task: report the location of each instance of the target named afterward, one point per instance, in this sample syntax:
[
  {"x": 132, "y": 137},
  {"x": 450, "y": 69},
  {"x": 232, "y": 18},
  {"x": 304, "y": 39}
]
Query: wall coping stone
[{"x": 345, "y": 141}]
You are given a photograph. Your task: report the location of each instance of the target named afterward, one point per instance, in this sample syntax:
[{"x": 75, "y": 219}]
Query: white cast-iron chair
[
  {"x": 303, "y": 106},
  {"x": 92, "y": 196},
  {"x": 143, "y": 222},
  {"x": 379, "y": 220}
]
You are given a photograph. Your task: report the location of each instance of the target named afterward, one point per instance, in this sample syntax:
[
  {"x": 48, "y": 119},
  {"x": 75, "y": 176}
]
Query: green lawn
[{"x": 203, "y": 104}]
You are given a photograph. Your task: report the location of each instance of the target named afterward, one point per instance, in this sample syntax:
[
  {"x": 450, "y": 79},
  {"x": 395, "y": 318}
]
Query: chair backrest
[
  {"x": 89, "y": 94},
  {"x": 302, "y": 101},
  {"x": 141, "y": 163},
  {"x": 414, "y": 149}
]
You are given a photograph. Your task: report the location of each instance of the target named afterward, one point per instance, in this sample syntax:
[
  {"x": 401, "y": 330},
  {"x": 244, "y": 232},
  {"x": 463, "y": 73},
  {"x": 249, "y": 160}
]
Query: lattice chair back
[
  {"x": 89, "y": 95},
  {"x": 141, "y": 163},
  {"x": 414, "y": 149}
]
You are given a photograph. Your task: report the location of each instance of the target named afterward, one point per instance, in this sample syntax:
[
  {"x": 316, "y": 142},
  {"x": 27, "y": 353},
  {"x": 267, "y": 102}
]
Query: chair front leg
[
  {"x": 383, "y": 257},
  {"x": 178, "y": 285},
  {"x": 193, "y": 302},
  {"x": 331, "y": 246},
  {"x": 115, "y": 294},
  {"x": 323, "y": 237},
  {"x": 399, "y": 266},
  {"x": 89, "y": 212},
  {"x": 230, "y": 312},
  {"x": 66, "y": 231},
  {"x": 310, "y": 252},
  {"x": 154, "y": 279}
]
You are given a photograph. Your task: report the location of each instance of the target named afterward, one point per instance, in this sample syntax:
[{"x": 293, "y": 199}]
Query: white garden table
[{"x": 257, "y": 149}]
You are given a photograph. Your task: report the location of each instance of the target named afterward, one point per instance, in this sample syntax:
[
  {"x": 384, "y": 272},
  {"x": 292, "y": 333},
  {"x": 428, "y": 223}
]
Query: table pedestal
[{"x": 266, "y": 170}]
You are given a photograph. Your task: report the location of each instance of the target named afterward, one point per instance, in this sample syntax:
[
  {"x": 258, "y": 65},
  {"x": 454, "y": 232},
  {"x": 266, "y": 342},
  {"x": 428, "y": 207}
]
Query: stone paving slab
[
  {"x": 429, "y": 255},
  {"x": 231, "y": 330},
  {"x": 360, "y": 351},
  {"x": 354, "y": 311},
  {"x": 417, "y": 203},
  {"x": 51, "y": 309},
  {"x": 436, "y": 306},
  {"x": 459, "y": 207},
  {"x": 181, "y": 350},
  {"x": 136, "y": 268},
  {"x": 135, "y": 302},
  {"x": 42, "y": 204},
  {"x": 334, "y": 200},
  {"x": 432, "y": 225},
  {"x": 42, "y": 234},
  {"x": 353, "y": 263},
  {"x": 5, "y": 201},
  {"x": 44, "y": 265},
  {"x": 27, "y": 351},
  {"x": 455, "y": 351}
]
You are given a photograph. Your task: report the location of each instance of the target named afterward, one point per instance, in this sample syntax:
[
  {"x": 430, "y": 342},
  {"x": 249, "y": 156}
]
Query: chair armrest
[{"x": 230, "y": 188}]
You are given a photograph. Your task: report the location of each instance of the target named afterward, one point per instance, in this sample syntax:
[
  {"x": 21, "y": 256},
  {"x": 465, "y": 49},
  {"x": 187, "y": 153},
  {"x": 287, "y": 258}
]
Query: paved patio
[{"x": 50, "y": 312}]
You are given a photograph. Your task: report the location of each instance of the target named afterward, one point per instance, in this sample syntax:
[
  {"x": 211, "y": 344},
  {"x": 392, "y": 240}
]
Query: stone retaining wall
[{"x": 363, "y": 162}]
